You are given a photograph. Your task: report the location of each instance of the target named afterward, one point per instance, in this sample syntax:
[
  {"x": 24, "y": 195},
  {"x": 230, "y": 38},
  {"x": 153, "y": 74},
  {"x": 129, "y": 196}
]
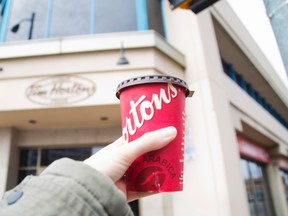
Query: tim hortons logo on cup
[
  {"x": 146, "y": 109},
  {"x": 150, "y": 178}
]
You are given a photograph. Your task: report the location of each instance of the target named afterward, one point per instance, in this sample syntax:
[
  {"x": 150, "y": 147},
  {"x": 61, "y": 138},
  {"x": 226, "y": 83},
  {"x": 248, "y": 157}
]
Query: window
[
  {"x": 50, "y": 155},
  {"x": 257, "y": 188},
  {"x": 21, "y": 13},
  {"x": 155, "y": 20},
  {"x": 135, "y": 207},
  {"x": 115, "y": 16},
  {"x": 70, "y": 17},
  {"x": 284, "y": 176},
  {"x": 248, "y": 88},
  {"x": 34, "y": 161},
  {"x": 27, "y": 163},
  {"x": 73, "y": 17}
]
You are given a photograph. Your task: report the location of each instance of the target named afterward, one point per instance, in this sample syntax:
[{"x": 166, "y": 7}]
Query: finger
[{"x": 149, "y": 142}]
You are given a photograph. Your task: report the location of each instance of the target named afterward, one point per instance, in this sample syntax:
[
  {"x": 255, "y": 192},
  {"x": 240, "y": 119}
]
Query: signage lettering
[
  {"x": 252, "y": 150},
  {"x": 60, "y": 90},
  {"x": 146, "y": 108}
]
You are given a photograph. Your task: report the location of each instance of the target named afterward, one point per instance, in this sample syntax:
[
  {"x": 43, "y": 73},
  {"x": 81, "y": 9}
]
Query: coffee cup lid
[{"x": 153, "y": 79}]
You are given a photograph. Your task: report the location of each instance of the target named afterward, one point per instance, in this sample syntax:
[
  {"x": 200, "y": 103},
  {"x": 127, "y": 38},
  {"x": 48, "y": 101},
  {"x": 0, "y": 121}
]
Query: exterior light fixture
[
  {"x": 32, "y": 121},
  {"x": 104, "y": 118},
  {"x": 194, "y": 5},
  {"x": 122, "y": 59},
  {"x": 16, "y": 27}
]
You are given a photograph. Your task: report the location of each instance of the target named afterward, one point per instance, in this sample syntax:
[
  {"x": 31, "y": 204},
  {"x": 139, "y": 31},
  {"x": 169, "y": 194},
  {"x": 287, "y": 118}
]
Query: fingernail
[{"x": 168, "y": 132}]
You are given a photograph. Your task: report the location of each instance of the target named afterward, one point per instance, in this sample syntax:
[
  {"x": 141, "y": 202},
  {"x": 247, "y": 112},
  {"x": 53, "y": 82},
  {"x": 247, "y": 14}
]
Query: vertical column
[
  {"x": 4, "y": 22},
  {"x": 9, "y": 159},
  {"x": 220, "y": 137},
  {"x": 48, "y": 19},
  {"x": 277, "y": 188},
  {"x": 162, "y": 2},
  {"x": 92, "y": 16},
  {"x": 142, "y": 15},
  {"x": 213, "y": 183}
]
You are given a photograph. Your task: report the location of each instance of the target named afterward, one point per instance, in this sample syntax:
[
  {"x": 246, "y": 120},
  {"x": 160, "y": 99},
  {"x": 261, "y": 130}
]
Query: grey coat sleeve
[{"x": 65, "y": 188}]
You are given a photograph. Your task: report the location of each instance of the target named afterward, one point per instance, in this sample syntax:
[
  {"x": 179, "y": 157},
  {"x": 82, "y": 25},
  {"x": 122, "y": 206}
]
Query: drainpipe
[{"x": 277, "y": 11}]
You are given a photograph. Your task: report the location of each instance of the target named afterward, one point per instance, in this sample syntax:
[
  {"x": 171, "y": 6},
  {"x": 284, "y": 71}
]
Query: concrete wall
[
  {"x": 214, "y": 177},
  {"x": 213, "y": 183},
  {"x": 9, "y": 159}
]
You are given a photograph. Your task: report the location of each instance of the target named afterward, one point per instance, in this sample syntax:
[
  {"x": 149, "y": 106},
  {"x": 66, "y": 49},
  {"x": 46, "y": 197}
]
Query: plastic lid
[{"x": 153, "y": 79}]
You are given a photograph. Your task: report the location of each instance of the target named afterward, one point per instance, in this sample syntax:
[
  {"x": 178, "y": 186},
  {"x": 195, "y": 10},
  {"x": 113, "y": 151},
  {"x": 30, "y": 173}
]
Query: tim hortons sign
[{"x": 60, "y": 90}]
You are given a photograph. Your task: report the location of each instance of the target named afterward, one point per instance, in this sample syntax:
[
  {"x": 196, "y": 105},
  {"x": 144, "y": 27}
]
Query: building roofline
[
  {"x": 232, "y": 24},
  {"x": 89, "y": 43}
]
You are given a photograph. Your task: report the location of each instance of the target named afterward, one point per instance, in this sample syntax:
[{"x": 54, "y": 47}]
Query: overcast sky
[{"x": 253, "y": 15}]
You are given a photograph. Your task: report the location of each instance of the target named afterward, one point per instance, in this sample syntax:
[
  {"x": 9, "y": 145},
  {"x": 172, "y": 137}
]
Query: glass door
[
  {"x": 257, "y": 188},
  {"x": 284, "y": 175}
]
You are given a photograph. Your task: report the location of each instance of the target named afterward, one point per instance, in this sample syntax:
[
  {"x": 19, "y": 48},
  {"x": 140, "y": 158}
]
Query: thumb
[{"x": 149, "y": 142}]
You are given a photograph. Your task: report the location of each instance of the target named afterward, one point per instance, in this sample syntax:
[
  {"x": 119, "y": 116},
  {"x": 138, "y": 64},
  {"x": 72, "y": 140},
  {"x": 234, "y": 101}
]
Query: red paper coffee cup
[{"x": 149, "y": 103}]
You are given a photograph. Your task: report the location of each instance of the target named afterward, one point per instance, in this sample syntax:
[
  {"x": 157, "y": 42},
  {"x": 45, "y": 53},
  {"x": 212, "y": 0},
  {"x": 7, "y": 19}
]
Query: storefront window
[
  {"x": 21, "y": 13},
  {"x": 50, "y": 155},
  {"x": 70, "y": 17},
  {"x": 28, "y": 158},
  {"x": 33, "y": 161},
  {"x": 115, "y": 16},
  {"x": 284, "y": 175},
  {"x": 73, "y": 17},
  {"x": 257, "y": 188},
  {"x": 155, "y": 16}
]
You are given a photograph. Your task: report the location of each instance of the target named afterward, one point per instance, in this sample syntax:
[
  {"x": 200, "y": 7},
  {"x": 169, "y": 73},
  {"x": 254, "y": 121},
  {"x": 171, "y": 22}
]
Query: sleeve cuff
[{"x": 100, "y": 186}]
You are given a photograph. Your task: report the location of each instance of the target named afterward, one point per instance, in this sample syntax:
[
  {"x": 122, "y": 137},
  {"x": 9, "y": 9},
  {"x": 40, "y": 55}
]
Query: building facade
[{"x": 58, "y": 79}]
